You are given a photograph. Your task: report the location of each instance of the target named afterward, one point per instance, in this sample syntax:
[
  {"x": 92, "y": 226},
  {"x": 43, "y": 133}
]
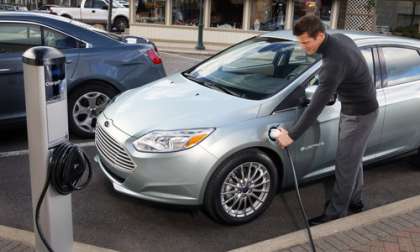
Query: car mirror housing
[{"x": 309, "y": 93}]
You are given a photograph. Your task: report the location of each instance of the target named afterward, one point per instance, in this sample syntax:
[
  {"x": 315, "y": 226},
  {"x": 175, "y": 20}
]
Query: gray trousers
[{"x": 353, "y": 134}]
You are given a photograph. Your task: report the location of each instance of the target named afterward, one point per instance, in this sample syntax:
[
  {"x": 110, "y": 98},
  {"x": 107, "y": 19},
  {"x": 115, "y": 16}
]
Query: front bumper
[{"x": 174, "y": 178}]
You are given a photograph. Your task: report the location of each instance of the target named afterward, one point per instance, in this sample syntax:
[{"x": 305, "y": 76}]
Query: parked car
[
  {"x": 99, "y": 65},
  {"x": 9, "y": 7},
  {"x": 200, "y": 137},
  {"x": 96, "y": 12},
  {"x": 46, "y": 8}
]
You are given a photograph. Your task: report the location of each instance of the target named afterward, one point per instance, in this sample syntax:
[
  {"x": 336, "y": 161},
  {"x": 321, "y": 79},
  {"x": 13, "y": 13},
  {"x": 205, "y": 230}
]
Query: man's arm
[{"x": 330, "y": 76}]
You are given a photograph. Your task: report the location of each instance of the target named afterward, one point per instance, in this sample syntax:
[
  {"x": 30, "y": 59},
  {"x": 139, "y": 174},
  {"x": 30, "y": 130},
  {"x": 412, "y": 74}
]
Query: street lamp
[
  {"x": 200, "y": 45},
  {"x": 109, "y": 25}
]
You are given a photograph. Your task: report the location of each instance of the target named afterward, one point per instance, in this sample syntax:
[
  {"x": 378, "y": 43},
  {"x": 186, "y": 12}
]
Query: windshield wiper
[{"x": 211, "y": 84}]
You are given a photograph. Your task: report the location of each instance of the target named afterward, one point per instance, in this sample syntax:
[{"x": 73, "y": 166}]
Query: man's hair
[{"x": 310, "y": 24}]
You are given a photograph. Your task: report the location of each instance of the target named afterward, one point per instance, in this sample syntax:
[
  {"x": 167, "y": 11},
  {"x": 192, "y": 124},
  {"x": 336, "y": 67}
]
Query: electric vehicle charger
[
  {"x": 273, "y": 134},
  {"x": 66, "y": 167}
]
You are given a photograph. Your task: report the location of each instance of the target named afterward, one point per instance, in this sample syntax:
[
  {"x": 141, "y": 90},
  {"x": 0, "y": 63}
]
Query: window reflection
[
  {"x": 185, "y": 12},
  {"x": 402, "y": 65},
  {"x": 150, "y": 11},
  {"x": 320, "y": 8},
  {"x": 268, "y": 15},
  {"x": 227, "y": 14}
]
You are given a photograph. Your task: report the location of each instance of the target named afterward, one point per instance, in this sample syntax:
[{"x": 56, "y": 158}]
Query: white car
[{"x": 96, "y": 12}]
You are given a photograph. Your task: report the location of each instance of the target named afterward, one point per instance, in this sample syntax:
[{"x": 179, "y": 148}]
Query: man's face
[{"x": 309, "y": 44}]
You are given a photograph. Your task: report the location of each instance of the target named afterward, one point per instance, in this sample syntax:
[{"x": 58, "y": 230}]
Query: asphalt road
[{"x": 105, "y": 218}]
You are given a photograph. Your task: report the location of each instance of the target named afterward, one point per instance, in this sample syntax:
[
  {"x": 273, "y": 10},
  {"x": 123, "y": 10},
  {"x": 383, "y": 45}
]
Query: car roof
[
  {"x": 57, "y": 22},
  {"x": 357, "y": 36}
]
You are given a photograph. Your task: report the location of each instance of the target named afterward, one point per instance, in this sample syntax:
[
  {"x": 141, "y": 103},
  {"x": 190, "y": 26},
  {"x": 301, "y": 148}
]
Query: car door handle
[
  {"x": 93, "y": 11},
  {"x": 4, "y": 70},
  {"x": 69, "y": 61}
]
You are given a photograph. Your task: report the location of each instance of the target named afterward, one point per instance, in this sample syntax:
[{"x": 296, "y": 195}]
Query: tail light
[{"x": 154, "y": 57}]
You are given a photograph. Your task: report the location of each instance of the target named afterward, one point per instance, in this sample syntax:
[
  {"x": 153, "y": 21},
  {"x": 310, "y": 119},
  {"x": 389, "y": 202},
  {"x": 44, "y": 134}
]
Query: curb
[
  {"x": 28, "y": 239},
  {"x": 186, "y": 51},
  {"x": 333, "y": 227}
]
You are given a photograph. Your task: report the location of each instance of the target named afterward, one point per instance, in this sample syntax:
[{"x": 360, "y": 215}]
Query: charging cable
[
  {"x": 273, "y": 134},
  {"x": 66, "y": 166}
]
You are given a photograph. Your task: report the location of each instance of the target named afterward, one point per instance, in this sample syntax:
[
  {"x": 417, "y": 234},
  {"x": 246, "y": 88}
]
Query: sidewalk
[
  {"x": 16, "y": 240},
  {"x": 392, "y": 227}
]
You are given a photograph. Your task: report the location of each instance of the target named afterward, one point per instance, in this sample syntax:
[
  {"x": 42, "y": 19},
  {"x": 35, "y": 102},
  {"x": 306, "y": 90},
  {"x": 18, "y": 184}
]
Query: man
[{"x": 344, "y": 72}]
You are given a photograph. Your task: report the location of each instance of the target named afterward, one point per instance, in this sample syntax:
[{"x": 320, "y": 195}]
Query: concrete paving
[{"x": 392, "y": 227}]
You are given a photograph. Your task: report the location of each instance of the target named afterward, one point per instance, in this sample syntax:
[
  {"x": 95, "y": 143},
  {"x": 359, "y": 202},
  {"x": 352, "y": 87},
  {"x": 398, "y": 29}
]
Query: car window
[
  {"x": 99, "y": 4},
  {"x": 19, "y": 37},
  {"x": 88, "y": 4},
  {"x": 402, "y": 65},
  {"x": 257, "y": 68},
  {"x": 367, "y": 54},
  {"x": 59, "y": 40}
]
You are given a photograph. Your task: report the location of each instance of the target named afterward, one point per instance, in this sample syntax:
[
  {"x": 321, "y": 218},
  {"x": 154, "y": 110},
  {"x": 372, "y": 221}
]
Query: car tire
[
  {"x": 85, "y": 103},
  {"x": 67, "y": 16},
  {"x": 121, "y": 23},
  {"x": 234, "y": 198}
]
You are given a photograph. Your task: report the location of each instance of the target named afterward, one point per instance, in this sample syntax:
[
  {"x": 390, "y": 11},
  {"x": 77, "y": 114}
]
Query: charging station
[{"x": 46, "y": 113}]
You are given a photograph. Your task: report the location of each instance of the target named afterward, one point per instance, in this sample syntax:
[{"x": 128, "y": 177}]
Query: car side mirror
[
  {"x": 104, "y": 7},
  {"x": 309, "y": 93}
]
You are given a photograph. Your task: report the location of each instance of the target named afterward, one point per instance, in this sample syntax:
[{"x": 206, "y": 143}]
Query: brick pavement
[
  {"x": 15, "y": 246},
  {"x": 399, "y": 233}
]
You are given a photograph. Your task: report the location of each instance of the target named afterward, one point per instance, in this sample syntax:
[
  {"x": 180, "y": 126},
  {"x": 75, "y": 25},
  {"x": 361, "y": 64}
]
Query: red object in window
[{"x": 154, "y": 57}]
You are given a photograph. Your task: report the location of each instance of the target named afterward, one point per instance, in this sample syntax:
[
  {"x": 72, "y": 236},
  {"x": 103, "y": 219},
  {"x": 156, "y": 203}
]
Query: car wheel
[
  {"x": 67, "y": 16},
  {"x": 85, "y": 104},
  {"x": 121, "y": 24},
  {"x": 242, "y": 188}
]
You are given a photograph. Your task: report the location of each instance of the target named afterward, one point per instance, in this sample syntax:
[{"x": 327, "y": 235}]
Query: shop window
[
  {"x": 185, "y": 12},
  {"x": 227, "y": 14},
  {"x": 268, "y": 15},
  {"x": 150, "y": 11},
  {"x": 320, "y": 8}
]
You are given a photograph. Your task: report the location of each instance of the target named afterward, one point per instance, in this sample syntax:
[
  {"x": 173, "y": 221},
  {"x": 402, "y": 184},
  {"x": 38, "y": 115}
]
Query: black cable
[
  {"x": 302, "y": 209},
  {"x": 66, "y": 166}
]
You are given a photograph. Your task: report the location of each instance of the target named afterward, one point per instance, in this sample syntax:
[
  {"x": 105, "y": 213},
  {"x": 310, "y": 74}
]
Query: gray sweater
[{"x": 344, "y": 71}]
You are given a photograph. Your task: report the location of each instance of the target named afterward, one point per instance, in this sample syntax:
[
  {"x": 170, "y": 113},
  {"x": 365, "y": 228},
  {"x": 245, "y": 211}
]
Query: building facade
[
  {"x": 229, "y": 21},
  {"x": 225, "y": 21}
]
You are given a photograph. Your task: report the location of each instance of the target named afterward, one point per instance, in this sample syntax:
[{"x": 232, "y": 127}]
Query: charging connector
[
  {"x": 67, "y": 165},
  {"x": 273, "y": 134}
]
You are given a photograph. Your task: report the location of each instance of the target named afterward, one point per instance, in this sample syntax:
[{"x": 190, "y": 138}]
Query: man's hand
[{"x": 283, "y": 139}]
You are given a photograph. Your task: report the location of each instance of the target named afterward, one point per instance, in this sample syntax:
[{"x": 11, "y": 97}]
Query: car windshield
[
  {"x": 116, "y": 4},
  {"x": 254, "y": 69}
]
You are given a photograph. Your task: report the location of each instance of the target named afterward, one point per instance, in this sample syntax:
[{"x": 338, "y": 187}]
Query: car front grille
[{"x": 112, "y": 150}]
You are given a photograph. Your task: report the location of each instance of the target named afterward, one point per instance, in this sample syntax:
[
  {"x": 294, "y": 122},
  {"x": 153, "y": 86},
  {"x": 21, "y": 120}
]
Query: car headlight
[{"x": 171, "y": 140}]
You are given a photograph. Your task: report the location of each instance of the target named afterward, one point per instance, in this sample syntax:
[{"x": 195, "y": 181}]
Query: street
[{"x": 105, "y": 218}]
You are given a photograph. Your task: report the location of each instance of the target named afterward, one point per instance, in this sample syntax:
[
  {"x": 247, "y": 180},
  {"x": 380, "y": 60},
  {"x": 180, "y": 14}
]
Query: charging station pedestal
[{"x": 46, "y": 114}]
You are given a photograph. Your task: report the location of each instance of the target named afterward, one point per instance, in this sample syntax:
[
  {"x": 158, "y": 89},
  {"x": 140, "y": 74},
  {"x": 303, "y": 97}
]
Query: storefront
[{"x": 225, "y": 21}]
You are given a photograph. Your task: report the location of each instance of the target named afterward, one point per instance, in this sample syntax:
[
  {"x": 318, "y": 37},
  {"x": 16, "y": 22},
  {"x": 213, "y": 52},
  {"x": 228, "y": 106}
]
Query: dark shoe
[
  {"x": 353, "y": 207},
  {"x": 356, "y": 207},
  {"x": 320, "y": 219}
]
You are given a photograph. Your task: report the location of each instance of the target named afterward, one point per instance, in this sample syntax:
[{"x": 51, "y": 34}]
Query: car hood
[{"x": 177, "y": 103}]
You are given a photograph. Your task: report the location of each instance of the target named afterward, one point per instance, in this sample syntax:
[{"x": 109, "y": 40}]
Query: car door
[
  {"x": 95, "y": 12},
  {"x": 15, "y": 38},
  {"x": 319, "y": 142},
  {"x": 401, "y": 68},
  {"x": 88, "y": 12}
]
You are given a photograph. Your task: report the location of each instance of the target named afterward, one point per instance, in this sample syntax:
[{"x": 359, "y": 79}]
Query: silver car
[{"x": 200, "y": 137}]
